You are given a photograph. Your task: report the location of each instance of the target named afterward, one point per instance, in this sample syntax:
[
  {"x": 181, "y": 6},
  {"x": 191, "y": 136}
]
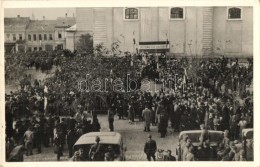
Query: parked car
[
  {"x": 215, "y": 137},
  {"x": 247, "y": 143},
  {"x": 113, "y": 139}
]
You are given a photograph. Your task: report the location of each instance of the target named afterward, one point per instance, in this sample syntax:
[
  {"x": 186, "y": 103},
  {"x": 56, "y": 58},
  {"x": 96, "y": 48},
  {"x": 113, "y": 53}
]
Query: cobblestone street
[{"x": 133, "y": 136}]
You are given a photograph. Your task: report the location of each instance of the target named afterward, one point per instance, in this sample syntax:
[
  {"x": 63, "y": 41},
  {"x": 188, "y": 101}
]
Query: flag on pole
[
  {"x": 167, "y": 41},
  {"x": 184, "y": 82},
  {"x": 134, "y": 37},
  {"x": 185, "y": 76}
]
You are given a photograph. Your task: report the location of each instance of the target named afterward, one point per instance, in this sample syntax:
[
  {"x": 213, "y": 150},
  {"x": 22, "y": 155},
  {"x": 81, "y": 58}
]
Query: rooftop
[
  {"x": 65, "y": 22},
  {"x": 16, "y": 23},
  {"x": 42, "y": 25}
]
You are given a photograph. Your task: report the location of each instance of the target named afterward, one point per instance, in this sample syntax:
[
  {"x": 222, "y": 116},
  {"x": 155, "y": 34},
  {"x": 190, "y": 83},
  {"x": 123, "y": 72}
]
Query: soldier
[
  {"x": 58, "y": 145},
  {"x": 95, "y": 152},
  {"x": 111, "y": 119},
  {"x": 150, "y": 148}
]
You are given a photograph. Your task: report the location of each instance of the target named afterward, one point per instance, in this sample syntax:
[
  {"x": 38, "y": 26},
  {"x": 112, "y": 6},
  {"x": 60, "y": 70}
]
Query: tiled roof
[
  {"x": 16, "y": 23},
  {"x": 65, "y": 22},
  {"x": 42, "y": 25}
]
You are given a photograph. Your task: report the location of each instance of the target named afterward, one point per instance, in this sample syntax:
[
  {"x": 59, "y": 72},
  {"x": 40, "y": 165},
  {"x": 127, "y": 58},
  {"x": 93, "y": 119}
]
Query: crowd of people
[{"x": 209, "y": 92}]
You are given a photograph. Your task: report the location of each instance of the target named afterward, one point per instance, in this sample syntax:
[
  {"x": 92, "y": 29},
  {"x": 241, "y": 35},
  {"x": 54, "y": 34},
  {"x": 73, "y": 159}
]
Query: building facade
[
  {"x": 188, "y": 31},
  {"x": 23, "y": 34},
  {"x": 40, "y": 35},
  {"x": 15, "y": 33}
]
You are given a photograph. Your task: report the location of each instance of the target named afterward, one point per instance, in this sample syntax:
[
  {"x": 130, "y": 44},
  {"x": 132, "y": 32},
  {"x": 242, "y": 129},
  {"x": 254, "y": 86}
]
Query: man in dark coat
[
  {"x": 38, "y": 137},
  {"x": 111, "y": 119},
  {"x": 163, "y": 125},
  {"x": 71, "y": 140},
  {"x": 150, "y": 148},
  {"x": 58, "y": 145}
]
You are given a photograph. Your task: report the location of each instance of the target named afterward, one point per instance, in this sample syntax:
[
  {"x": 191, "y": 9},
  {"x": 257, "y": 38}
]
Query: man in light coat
[{"x": 147, "y": 118}]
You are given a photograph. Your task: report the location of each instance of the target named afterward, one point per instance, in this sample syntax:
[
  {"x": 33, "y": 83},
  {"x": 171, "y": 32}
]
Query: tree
[{"x": 85, "y": 44}]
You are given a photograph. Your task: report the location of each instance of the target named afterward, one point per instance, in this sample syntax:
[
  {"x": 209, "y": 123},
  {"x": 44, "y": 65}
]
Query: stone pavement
[{"x": 133, "y": 135}]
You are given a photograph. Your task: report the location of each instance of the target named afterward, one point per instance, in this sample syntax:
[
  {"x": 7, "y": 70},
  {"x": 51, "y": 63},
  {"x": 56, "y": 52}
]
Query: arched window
[
  {"x": 177, "y": 13},
  {"x": 234, "y": 13},
  {"x": 131, "y": 13}
]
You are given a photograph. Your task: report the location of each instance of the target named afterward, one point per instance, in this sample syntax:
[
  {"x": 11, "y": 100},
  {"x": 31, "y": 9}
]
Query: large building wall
[
  {"x": 154, "y": 24},
  {"x": 233, "y": 37},
  {"x": 202, "y": 31}
]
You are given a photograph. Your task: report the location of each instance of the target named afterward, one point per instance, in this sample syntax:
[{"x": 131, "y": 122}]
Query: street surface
[{"x": 133, "y": 135}]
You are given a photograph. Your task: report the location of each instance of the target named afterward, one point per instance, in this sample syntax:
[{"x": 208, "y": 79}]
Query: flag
[
  {"x": 184, "y": 78},
  {"x": 134, "y": 37},
  {"x": 167, "y": 41},
  {"x": 185, "y": 73}
]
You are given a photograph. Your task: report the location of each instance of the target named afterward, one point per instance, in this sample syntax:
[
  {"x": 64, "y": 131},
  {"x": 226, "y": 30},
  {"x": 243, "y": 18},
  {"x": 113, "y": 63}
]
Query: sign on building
[{"x": 154, "y": 47}]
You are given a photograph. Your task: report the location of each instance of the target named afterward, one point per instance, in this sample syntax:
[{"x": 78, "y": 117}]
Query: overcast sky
[{"x": 49, "y": 13}]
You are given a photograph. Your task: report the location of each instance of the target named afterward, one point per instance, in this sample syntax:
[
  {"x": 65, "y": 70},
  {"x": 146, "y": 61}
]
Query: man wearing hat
[
  {"x": 95, "y": 152},
  {"x": 150, "y": 148}
]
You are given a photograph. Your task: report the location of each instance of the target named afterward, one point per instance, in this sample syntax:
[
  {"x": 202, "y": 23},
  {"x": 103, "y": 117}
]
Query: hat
[
  {"x": 149, "y": 136},
  {"x": 110, "y": 147}
]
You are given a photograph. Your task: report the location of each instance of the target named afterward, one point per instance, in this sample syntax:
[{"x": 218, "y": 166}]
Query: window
[
  {"x": 35, "y": 48},
  {"x": 34, "y": 37},
  {"x": 20, "y": 37},
  {"x": 14, "y": 37},
  {"x": 59, "y": 35},
  {"x": 29, "y": 49},
  {"x": 40, "y": 48},
  {"x": 131, "y": 13},
  {"x": 45, "y": 37},
  {"x": 8, "y": 36},
  {"x": 50, "y": 36},
  {"x": 29, "y": 37},
  {"x": 177, "y": 13},
  {"x": 40, "y": 37},
  {"x": 234, "y": 13}
]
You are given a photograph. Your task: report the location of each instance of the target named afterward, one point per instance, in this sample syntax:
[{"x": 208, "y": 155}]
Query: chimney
[
  {"x": 43, "y": 17},
  {"x": 18, "y": 16},
  {"x": 66, "y": 14}
]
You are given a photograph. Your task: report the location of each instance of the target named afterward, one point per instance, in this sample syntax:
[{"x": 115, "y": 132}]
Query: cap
[{"x": 97, "y": 139}]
